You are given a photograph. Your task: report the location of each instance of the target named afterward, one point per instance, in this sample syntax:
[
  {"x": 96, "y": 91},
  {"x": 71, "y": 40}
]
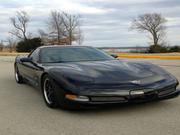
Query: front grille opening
[{"x": 107, "y": 99}]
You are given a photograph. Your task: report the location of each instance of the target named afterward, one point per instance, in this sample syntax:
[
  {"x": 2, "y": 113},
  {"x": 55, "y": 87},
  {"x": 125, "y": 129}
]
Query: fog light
[{"x": 77, "y": 98}]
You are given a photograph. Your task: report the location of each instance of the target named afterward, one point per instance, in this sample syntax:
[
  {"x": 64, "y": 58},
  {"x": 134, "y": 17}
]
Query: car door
[{"x": 31, "y": 69}]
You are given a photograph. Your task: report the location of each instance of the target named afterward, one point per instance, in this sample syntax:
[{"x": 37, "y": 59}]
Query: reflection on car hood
[{"x": 111, "y": 72}]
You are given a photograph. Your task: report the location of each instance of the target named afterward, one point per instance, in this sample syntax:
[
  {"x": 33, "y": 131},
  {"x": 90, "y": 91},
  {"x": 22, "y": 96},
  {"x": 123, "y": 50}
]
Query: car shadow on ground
[{"x": 124, "y": 109}]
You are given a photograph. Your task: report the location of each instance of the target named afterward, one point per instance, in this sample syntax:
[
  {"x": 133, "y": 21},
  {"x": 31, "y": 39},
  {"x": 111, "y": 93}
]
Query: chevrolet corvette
[{"x": 81, "y": 76}]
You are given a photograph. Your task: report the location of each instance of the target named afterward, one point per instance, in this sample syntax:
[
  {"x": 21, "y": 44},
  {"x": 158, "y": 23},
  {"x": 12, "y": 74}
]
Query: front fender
[{"x": 68, "y": 80}]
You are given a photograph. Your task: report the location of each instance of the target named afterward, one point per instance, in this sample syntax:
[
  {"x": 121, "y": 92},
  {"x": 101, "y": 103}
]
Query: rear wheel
[
  {"x": 48, "y": 91},
  {"x": 18, "y": 77}
]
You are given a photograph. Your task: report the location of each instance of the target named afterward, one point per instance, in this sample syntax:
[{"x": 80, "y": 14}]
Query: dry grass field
[
  {"x": 169, "y": 56},
  {"x": 11, "y": 54}
]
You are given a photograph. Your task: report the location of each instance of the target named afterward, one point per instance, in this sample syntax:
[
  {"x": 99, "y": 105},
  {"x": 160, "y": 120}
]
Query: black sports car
[{"x": 78, "y": 76}]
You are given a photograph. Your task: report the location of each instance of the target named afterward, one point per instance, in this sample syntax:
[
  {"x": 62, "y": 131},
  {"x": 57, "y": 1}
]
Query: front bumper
[{"x": 151, "y": 96}]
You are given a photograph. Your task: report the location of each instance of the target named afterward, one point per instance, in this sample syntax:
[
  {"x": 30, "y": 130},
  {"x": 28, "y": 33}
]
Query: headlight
[{"x": 77, "y": 98}]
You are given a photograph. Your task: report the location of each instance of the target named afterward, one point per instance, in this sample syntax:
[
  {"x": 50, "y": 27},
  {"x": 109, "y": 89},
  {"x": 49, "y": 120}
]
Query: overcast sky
[{"x": 105, "y": 22}]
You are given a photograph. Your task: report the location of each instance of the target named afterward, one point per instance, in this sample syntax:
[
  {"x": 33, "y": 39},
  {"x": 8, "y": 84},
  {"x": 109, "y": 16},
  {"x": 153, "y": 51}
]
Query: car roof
[{"x": 59, "y": 46}]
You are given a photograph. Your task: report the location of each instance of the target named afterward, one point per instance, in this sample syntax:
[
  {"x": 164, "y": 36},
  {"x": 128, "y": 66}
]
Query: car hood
[{"x": 106, "y": 73}]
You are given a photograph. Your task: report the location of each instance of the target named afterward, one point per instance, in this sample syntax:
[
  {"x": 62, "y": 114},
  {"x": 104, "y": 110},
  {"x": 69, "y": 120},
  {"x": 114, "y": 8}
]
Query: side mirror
[
  {"x": 114, "y": 55},
  {"x": 26, "y": 59}
]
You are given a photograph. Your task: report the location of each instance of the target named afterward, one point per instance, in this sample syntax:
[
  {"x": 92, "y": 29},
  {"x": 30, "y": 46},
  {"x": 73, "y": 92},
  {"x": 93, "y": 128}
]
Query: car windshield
[{"x": 72, "y": 54}]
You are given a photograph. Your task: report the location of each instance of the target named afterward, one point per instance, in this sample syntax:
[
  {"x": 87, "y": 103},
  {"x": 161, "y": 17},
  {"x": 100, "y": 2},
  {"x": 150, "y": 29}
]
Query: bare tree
[
  {"x": 152, "y": 23},
  {"x": 1, "y": 46},
  {"x": 43, "y": 35},
  {"x": 11, "y": 43},
  {"x": 79, "y": 36},
  {"x": 56, "y": 26},
  {"x": 72, "y": 24},
  {"x": 63, "y": 28},
  {"x": 20, "y": 22}
]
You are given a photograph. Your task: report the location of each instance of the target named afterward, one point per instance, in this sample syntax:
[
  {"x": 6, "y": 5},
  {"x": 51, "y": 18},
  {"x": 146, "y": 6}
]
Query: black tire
[
  {"x": 58, "y": 96},
  {"x": 18, "y": 77},
  {"x": 48, "y": 91}
]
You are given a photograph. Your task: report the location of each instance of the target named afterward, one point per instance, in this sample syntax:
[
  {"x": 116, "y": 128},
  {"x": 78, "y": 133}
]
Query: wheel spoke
[
  {"x": 48, "y": 91},
  {"x": 49, "y": 94}
]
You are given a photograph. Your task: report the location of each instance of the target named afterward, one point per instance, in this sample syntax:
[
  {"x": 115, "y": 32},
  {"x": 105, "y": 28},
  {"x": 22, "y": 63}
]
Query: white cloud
[
  {"x": 71, "y": 6},
  {"x": 125, "y": 1},
  {"x": 173, "y": 21}
]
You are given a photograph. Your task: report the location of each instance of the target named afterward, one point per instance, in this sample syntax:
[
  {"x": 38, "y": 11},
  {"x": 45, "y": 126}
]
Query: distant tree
[
  {"x": 1, "y": 46},
  {"x": 174, "y": 49},
  {"x": 29, "y": 45},
  {"x": 43, "y": 35},
  {"x": 72, "y": 26},
  {"x": 152, "y": 23},
  {"x": 79, "y": 36},
  {"x": 11, "y": 43},
  {"x": 20, "y": 22},
  {"x": 157, "y": 49},
  {"x": 56, "y": 26},
  {"x": 63, "y": 28}
]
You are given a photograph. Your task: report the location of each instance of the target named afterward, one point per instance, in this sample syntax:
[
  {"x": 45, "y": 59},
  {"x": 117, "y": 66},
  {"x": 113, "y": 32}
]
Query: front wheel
[
  {"x": 18, "y": 77},
  {"x": 49, "y": 92},
  {"x": 54, "y": 95}
]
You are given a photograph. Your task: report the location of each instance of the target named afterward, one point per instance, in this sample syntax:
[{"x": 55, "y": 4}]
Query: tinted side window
[{"x": 35, "y": 55}]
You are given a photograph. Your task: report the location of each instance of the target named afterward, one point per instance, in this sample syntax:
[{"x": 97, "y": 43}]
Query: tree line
[
  {"x": 61, "y": 29},
  {"x": 64, "y": 28}
]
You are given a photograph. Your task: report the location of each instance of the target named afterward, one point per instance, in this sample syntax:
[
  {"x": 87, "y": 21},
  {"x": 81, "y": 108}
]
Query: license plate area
[{"x": 108, "y": 99}]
